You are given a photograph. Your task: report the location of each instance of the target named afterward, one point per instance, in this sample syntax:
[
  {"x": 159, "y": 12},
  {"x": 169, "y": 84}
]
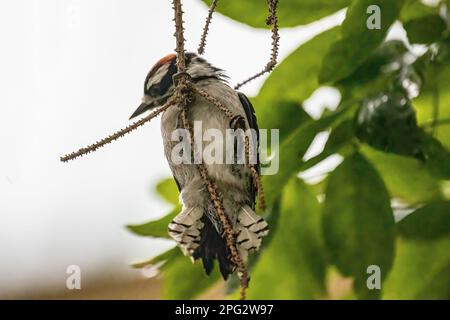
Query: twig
[
  {"x": 272, "y": 20},
  {"x": 213, "y": 101},
  {"x": 118, "y": 134},
  {"x": 230, "y": 236},
  {"x": 201, "y": 47},
  {"x": 185, "y": 94},
  {"x": 179, "y": 36},
  {"x": 255, "y": 176},
  {"x": 259, "y": 187},
  {"x": 217, "y": 202}
]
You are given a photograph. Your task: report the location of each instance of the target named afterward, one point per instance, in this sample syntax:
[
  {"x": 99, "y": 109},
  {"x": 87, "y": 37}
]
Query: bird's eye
[{"x": 154, "y": 90}]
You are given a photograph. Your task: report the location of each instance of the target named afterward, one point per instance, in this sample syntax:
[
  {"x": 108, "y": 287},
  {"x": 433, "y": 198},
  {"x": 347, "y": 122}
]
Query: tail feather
[
  {"x": 213, "y": 246},
  {"x": 251, "y": 229},
  {"x": 197, "y": 237},
  {"x": 186, "y": 229}
]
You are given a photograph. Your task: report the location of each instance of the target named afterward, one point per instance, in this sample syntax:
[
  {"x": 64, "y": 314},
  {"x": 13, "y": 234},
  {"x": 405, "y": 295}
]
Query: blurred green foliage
[
  {"x": 358, "y": 222},
  {"x": 356, "y": 41},
  {"x": 298, "y": 250},
  {"x": 292, "y": 13},
  {"x": 392, "y": 129}
]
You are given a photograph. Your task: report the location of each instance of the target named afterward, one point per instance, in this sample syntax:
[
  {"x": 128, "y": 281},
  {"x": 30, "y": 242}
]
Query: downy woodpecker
[{"x": 197, "y": 229}]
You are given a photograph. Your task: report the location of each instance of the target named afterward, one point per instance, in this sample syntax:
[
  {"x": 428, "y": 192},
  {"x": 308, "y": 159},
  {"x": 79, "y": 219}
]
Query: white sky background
[{"x": 72, "y": 72}]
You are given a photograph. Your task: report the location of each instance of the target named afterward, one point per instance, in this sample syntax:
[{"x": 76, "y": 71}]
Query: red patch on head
[
  {"x": 164, "y": 60},
  {"x": 157, "y": 65}
]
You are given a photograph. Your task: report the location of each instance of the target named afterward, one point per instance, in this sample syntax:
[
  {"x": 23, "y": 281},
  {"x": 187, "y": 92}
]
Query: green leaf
[
  {"x": 426, "y": 29},
  {"x": 295, "y": 79},
  {"x": 340, "y": 137},
  {"x": 290, "y": 13},
  {"x": 358, "y": 222},
  {"x": 421, "y": 270},
  {"x": 406, "y": 178},
  {"x": 291, "y": 152},
  {"x": 278, "y": 104},
  {"x": 414, "y": 9},
  {"x": 438, "y": 157},
  {"x": 155, "y": 228},
  {"x": 357, "y": 42},
  {"x": 185, "y": 280},
  {"x": 388, "y": 123},
  {"x": 421, "y": 22},
  {"x": 167, "y": 257},
  {"x": 429, "y": 222},
  {"x": 422, "y": 265},
  {"x": 374, "y": 75},
  {"x": 168, "y": 190},
  {"x": 282, "y": 115},
  {"x": 294, "y": 259},
  {"x": 435, "y": 96}
]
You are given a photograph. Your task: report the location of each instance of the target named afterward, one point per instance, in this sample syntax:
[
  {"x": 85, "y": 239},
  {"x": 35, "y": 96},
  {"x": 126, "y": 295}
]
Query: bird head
[{"x": 159, "y": 85}]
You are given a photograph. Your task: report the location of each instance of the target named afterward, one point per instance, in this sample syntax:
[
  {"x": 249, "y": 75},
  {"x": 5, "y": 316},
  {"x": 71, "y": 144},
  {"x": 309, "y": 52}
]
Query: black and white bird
[{"x": 197, "y": 229}]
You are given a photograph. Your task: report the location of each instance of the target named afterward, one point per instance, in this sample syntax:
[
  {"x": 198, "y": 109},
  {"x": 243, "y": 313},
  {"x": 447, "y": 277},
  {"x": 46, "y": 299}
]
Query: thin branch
[
  {"x": 256, "y": 179},
  {"x": 185, "y": 94},
  {"x": 179, "y": 35},
  {"x": 213, "y": 101},
  {"x": 259, "y": 186},
  {"x": 201, "y": 47},
  {"x": 118, "y": 134},
  {"x": 217, "y": 202},
  {"x": 230, "y": 236},
  {"x": 255, "y": 175},
  {"x": 272, "y": 20}
]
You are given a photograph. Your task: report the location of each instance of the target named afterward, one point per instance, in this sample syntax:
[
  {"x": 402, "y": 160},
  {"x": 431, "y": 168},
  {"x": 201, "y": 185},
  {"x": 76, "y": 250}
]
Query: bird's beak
[{"x": 142, "y": 108}]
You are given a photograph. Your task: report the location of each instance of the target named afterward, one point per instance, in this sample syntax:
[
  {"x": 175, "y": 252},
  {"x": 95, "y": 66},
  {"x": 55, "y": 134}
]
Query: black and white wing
[{"x": 251, "y": 119}]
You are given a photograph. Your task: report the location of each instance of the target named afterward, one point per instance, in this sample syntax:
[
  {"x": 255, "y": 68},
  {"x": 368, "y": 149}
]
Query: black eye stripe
[
  {"x": 167, "y": 80},
  {"x": 161, "y": 88},
  {"x": 155, "y": 90}
]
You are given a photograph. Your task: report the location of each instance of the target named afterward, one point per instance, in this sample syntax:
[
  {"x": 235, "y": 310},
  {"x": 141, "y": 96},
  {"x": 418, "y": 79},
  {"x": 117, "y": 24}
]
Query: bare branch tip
[
  {"x": 272, "y": 20},
  {"x": 201, "y": 47}
]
